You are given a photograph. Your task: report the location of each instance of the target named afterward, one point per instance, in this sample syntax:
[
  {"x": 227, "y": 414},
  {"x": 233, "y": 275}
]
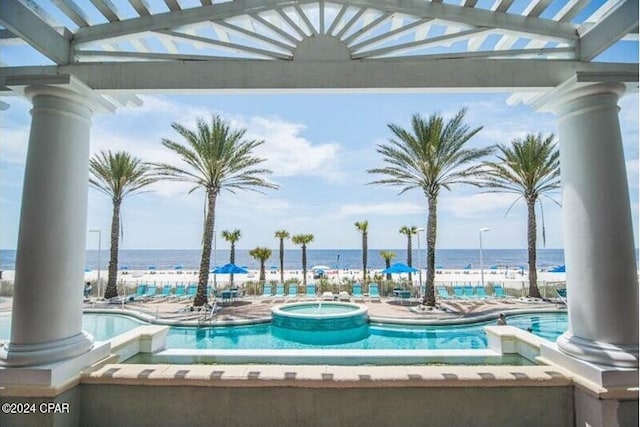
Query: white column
[
  {"x": 602, "y": 285},
  {"x": 47, "y": 305}
]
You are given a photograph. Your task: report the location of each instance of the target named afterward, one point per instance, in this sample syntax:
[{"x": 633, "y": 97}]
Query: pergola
[{"x": 92, "y": 56}]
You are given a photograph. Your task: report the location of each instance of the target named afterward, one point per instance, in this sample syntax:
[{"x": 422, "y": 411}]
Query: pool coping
[{"x": 475, "y": 318}]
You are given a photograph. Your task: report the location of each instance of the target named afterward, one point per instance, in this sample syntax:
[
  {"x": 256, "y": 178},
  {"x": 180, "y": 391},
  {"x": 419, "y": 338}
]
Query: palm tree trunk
[
  {"x": 304, "y": 265},
  {"x": 387, "y": 263},
  {"x": 432, "y": 224},
  {"x": 281, "y": 260},
  {"x": 365, "y": 248},
  {"x": 534, "y": 292},
  {"x": 112, "y": 289},
  {"x": 207, "y": 240},
  {"x": 232, "y": 260},
  {"x": 409, "y": 254},
  {"x": 262, "y": 275}
]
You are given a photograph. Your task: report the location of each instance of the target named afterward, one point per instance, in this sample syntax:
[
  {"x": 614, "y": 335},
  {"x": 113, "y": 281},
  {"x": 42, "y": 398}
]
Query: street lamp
[
  {"x": 418, "y": 230},
  {"x": 99, "y": 264},
  {"x": 482, "y": 230}
]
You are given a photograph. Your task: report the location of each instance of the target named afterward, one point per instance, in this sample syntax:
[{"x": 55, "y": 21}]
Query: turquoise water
[
  {"x": 373, "y": 336},
  {"x": 101, "y": 326},
  {"x": 168, "y": 259},
  {"x": 320, "y": 308}
]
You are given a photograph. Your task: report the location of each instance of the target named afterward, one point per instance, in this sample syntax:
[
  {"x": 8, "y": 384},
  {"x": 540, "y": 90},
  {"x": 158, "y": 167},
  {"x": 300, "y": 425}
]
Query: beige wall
[{"x": 124, "y": 405}]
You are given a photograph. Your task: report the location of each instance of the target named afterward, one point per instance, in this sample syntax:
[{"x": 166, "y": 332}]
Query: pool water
[
  {"x": 102, "y": 326},
  {"x": 375, "y": 336}
]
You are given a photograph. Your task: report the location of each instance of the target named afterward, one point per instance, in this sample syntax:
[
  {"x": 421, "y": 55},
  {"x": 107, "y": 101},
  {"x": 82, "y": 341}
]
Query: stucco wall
[{"x": 130, "y": 405}]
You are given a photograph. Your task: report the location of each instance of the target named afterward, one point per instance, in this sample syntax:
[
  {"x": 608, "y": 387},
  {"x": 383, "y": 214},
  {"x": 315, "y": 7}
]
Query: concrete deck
[{"x": 256, "y": 309}]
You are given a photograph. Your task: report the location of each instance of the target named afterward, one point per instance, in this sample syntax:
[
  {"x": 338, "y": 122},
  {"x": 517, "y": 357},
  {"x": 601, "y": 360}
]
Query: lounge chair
[
  {"x": 344, "y": 296},
  {"x": 481, "y": 293},
  {"x": 498, "y": 292},
  {"x": 356, "y": 291},
  {"x": 443, "y": 293},
  {"x": 311, "y": 291},
  {"x": 164, "y": 294},
  {"x": 562, "y": 295},
  {"x": 179, "y": 293},
  {"x": 293, "y": 291},
  {"x": 374, "y": 292},
  {"x": 280, "y": 290},
  {"x": 467, "y": 291},
  {"x": 150, "y": 293},
  {"x": 458, "y": 292},
  {"x": 328, "y": 296},
  {"x": 192, "y": 291},
  {"x": 266, "y": 291}
]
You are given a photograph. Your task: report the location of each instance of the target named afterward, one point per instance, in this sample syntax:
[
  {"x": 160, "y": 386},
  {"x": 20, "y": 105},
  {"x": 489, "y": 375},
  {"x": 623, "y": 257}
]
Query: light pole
[
  {"x": 482, "y": 230},
  {"x": 418, "y": 230},
  {"x": 215, "y": 239},
  {"x": 338, "y": 272},
  {"x": 99, "y": 264}
]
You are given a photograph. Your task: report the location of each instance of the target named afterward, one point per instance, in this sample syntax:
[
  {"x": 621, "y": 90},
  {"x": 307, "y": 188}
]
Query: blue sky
[{"x": 319, "y": 147}]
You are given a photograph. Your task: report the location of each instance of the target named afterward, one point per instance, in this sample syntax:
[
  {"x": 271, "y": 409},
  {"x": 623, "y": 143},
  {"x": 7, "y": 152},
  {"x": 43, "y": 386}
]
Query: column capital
[
  {"x": 62, "y": 86},
  {"x": 558, "y": 98}
]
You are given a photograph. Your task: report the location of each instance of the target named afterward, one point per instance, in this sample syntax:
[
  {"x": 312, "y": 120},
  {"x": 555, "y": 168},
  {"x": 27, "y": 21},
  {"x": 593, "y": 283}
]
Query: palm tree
[
  {"x": 231, "y": 237},
  {"x": 363, "y": 228},
  {"x": 432, "y": 157},
  {"x": 215, "y": 157},
  {"x": 261, "y": 254},
  {"x": 281, "y": 235},
  {"x": 118, "y": 175},
  {"x": 409, "y": 232},
  {"x": 387, "y": 256},
  {"x": 303, "y": 239},
  {"x": 530, "y": 167}
]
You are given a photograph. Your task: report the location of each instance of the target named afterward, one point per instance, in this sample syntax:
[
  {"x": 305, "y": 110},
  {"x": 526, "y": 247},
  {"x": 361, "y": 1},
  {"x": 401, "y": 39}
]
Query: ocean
[{"x": 169, "y": 259}]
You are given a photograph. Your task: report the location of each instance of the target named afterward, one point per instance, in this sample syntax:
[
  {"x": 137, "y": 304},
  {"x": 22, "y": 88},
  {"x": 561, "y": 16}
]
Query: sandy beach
[{"x": 513, "y": 280}]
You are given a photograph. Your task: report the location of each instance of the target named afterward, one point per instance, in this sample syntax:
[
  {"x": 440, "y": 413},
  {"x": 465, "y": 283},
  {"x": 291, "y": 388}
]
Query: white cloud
[
  {"x": 286, "y": 151},
  {"x": 383, "y": 209},
  {"x": 13, "y": 144}
]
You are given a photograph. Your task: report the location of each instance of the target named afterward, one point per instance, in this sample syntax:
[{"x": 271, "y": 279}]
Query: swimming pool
[
  {"x": 102, "y": 326},
  {"x": 374, "y": 336}
]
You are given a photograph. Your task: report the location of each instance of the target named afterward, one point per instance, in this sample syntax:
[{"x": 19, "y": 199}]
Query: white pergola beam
[
  {"x": 252, "y": 35},
  {"x": 470, "y": 16},
  {"x": 161, "y": 21},
  {"x": 141, "y": 6},
  {"x": 614, "y": 26},
  {"x": 417, "y": 8},
  {"x": 378, "y": 75},
  {"x": 430, "y": 42},
  {"x": 22, "y": 22},
  {"x": 227, "y": 46},
  {"x": 173, "y": 5},
  {"x": 73, "y": 12},
  {"x": 107, "y": 9}
]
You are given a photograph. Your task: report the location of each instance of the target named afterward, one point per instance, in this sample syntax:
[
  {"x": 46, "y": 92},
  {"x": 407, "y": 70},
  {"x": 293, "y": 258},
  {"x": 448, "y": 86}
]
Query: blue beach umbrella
[
  {"x": 230, "y": 269},
  {"x": 178, "y": 267},
  {"x": 559, "y": 269},
  {"x": 152, "y": 267},
  {"x": 399, "y": 268}
]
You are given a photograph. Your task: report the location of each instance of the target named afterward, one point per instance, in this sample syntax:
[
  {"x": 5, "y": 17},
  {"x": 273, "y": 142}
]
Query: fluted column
[
  {"x": 47, "y": 305},
  {"x": 602, "y": 282}
]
